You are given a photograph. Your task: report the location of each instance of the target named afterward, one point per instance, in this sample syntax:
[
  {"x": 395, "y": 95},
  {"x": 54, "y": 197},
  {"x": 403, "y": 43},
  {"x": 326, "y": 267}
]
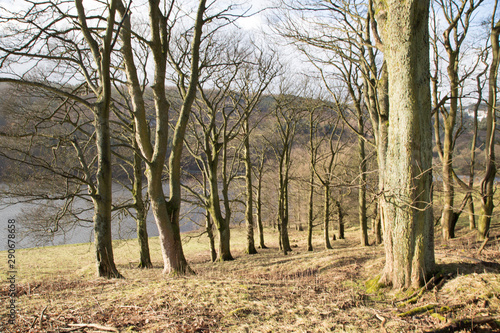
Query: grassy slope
[{"x": 303, "y": 292}]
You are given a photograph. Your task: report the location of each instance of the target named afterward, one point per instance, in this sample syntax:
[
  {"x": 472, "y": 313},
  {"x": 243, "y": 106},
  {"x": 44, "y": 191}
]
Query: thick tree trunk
[
  {"x": 326, "y": 217},
  {"x": 102, "y": 199},
  {"x": 166, "y": 213},
  {"x": 407, "y": 210},
  {"x": 167, "y": 220},
  {"x": 224, "y": 244}
]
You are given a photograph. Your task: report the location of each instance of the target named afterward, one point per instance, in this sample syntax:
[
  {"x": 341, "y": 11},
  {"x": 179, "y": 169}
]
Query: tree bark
[
  {"x": 363, "y": 222},
  {"x": 258, "y": 199},
  {"x": 221, "y": 222},
  {"x": 211, "y": 238},
  {"x": 103, "y": 198},
  {"x": 488, "y": 183},
  {"x": 340, "y": 216},
  {"x": 310, "y": 219},
  {"x": 326, "y": 217},
  {"x": 377, "y": 225},
  {"x": 249, "y": 191},
  {"x": 141, "y": 221},
  {"x": 312, "y": 151},
  {"x": 407, "y": 209},
  {"x": 283, "y": 203}
]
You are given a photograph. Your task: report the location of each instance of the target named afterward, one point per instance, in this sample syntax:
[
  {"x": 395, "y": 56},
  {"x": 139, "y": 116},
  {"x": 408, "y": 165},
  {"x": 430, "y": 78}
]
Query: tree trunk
[
  {"x": 472, "y": 217},
  {"x": 340, "y": 216},
  {"x": 102, "y": 199},
  {"x": 363, "y": 222},
  {"x": 448, "y": 147},
  {"x": 258, "y": 200},
  {"x": 326, "y": 217},
  {"x": 283, "y": 203},
  {"x": 377, "y": 225},
  {"x": 216, "y": 212},
  {"x": 488, "y": 183},
  {"x": 310, "y": 219},
  {"x": 312, "y": 162},
  {"x": 382, "y": 134},
  {"x": 141, "y": 222},
  {"x": 178, "y": 262},
  {"x": 249, "y": 193},
  {"x": 407, "y": 210},
  {"x": 211, "y": 238}
]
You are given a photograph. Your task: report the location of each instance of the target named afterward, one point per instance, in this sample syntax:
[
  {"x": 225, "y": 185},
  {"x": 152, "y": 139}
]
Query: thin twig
[
  {"x": 41, "y": 315},
  {"x": 483, "y": 245}
]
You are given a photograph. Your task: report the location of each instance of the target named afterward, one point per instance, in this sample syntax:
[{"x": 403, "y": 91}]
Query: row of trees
[{"x": 98, "y": 110}]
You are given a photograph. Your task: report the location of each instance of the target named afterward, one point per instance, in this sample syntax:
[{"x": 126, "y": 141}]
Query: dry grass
[{"x": 322, "y": 291}]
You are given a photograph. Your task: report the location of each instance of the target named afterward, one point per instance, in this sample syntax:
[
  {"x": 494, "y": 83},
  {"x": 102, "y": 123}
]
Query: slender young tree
[
  {"x": 487, "y": 184},
  {"x": 326, "y": 175},
  {"x": 340, "y": 45},
  {"x": 256, "y": 75},
  {"x": 287, "y": 115},
  {"x": 458, "y": 15}
]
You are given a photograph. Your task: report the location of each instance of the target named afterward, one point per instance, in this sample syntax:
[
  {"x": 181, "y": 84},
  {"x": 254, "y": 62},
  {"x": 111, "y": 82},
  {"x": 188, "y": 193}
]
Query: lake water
[{"x": 123, "y": 227}]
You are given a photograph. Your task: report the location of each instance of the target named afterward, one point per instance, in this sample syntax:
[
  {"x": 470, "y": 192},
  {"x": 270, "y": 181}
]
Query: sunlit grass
[{"x": 318, "y": 291}]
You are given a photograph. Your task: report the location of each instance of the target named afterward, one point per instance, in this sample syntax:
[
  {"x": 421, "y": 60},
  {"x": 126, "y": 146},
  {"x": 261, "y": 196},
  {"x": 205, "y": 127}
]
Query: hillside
[{"x": 322, "y": 291}]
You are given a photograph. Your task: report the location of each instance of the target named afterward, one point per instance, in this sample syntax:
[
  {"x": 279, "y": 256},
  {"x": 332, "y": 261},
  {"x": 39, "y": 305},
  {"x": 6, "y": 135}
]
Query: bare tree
[
  {"x": 458, "y": 15},
  {"x": 72, "y": 45},
  {"x": 287, "y": 114},
  {"x": 487, "y": 184},
  {"x": 212, "y": 132},
  {"x": 325, "y": 169},
  {"x": 260, "y": 69},
  {"x": 183, "y": 56},
  {"x": 340, "y": 47}
]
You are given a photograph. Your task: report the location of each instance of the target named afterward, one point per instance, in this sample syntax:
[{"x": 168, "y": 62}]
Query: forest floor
[{"x": 320, "y": 291}]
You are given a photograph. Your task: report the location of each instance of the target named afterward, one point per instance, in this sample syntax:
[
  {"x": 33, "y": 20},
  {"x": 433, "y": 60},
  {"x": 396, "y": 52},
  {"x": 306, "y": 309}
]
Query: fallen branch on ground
[
  {"x": 96, "y": 326},
  {"x": 418, "y": 310},
  {"x": 483, "y": 245},
  {"x": 467, "y": 323},
  {"x": 416, "y": 295}
]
